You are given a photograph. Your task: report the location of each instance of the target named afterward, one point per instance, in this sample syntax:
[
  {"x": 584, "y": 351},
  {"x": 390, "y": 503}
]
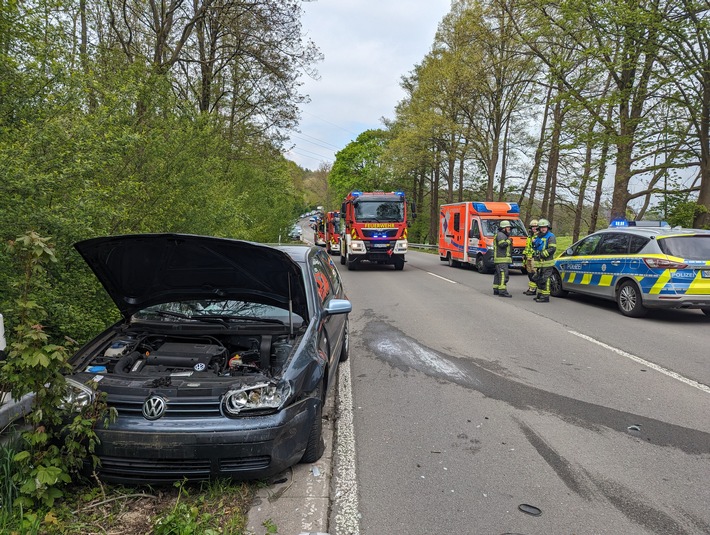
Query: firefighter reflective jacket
[
  {"x": 545, "y": 246},
  {"x": 502, "y": 249}
]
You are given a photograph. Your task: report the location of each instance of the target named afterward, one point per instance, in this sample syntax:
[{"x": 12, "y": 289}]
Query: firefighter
[
  {"x": 545, "y": 246},
  {"x": 502, "y": 257},
  {"x": 528, "y": 261}
]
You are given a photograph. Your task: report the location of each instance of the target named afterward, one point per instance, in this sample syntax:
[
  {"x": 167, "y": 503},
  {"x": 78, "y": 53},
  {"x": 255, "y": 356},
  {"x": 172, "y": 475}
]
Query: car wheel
[
  {"x": 399, "y": 264},
  {"x": 452, "y": 262},
  {"x": 480, "y": 264},
  {"x": 315, "y": 446},
  {"x": 345, "y": 350},
  {"x": 628, "y": 298},
  {"x": 342, "y": 258},
  {"x": 556, "y": 285}
]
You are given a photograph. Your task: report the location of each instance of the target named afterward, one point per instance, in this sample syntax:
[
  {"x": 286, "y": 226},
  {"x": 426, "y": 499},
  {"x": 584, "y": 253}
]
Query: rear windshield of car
[{"x": 687, "y": 247}]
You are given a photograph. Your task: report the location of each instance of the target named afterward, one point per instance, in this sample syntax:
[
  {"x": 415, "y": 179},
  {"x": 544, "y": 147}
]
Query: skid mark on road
[{"x": 391, "y": 345}]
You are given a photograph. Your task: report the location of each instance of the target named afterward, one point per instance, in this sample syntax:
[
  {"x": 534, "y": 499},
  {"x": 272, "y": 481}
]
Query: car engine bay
[{"x": 147, "y": 355}]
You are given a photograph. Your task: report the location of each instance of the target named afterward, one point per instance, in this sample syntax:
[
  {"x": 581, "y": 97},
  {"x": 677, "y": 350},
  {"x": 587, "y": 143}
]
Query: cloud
[{"x": 368, "y": 46}]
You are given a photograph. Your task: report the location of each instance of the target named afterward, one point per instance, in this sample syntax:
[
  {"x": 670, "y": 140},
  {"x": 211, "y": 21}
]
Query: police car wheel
[
  {"x": 556, "y": 285},
  {"x": 628, "y": 298}
]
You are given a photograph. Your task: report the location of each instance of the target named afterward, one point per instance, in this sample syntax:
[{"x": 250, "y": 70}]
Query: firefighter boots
[
  {"x": 542, "y": 299},
  {"x": 529, "y": 292},
  {"x": 504, "y": 293}
]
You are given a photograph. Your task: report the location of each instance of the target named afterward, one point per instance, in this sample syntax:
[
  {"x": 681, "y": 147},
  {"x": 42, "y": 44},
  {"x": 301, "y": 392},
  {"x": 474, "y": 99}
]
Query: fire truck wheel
[
  {"x": 352, "y": 264},
  {"x": 342, "y": 258},
  {"x": 399, "y": 264}
]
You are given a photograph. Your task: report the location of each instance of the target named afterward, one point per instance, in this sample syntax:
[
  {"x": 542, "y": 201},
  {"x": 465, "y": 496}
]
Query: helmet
[
  {"x": 534, "y": 223},
  {"x": 543, "y": 223},
  {"x": 504, "y": 223}
]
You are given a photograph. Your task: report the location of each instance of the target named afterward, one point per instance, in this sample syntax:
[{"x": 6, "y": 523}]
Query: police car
[{"x": 640, "y": 265}]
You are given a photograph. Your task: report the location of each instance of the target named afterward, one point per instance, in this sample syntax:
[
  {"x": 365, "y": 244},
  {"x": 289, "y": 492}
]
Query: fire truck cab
[
  {"x": 467, "y": 230},
  {"x": 374, "y": 228}
]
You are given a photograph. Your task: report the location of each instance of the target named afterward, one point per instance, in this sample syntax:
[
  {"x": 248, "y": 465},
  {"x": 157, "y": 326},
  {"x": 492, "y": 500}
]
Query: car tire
[
  {"x": 452, "y": 262},
  {"x": 342, "y": 258},
  {"x": 556, "y": 285},
  {"x": 315, "y": 446},
  {"x": 628, "y": 299},
  {"x": 345, "y": 349},
  {"x": 481, "y": 265},
  {"x": 399, "y": 264}
]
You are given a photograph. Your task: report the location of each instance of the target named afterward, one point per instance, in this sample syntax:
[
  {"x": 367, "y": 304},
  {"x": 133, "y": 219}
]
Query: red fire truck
[
  {"x": 375, "y": 228},
  {"x": 332, "y": 233}
]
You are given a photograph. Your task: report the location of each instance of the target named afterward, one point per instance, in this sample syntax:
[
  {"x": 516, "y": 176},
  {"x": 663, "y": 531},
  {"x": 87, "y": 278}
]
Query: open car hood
[{"x": 141, "y": 270}]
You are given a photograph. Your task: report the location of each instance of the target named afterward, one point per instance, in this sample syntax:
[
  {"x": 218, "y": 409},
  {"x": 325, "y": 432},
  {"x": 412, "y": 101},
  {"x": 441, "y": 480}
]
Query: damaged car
[{"x": 222, "y": 362}]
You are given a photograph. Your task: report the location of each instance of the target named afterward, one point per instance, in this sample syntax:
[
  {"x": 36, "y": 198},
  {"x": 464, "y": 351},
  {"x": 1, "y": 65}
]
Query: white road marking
[
  {"x": 678, "y": 377},
  {"x": 345, "y": 512},
  {"x": 442, "y": 278}
]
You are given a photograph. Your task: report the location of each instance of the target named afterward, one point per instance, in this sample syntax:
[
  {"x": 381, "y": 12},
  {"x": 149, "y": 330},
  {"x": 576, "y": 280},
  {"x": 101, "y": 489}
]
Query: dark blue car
[{"x": 224, "y": 357}]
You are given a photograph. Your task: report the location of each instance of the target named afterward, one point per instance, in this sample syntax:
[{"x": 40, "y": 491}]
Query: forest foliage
[{"x": 127, "y": 116}]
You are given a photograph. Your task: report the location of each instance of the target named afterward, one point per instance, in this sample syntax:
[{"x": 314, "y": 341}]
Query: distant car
[
  {"x": 223, "y": 359},
  {"x": 295, "y": 233},
  {"x": 639, "y": 268}
]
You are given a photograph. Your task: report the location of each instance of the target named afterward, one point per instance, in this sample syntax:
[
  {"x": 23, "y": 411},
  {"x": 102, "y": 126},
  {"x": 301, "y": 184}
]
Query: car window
[
  {"x": 587, "y": 245},
  {"x": 614, "y": 244},
  {"x": 637, "y": 243},
  {"x": 320, "y": 273},
  {"x": 333, "y": 274},
  {"x": 475, "y": 232},
  {"x": 688, "y": 247}
]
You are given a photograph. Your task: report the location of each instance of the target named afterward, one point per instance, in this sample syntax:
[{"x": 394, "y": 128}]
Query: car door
[
  {"x": 607, "y": 263},
  {"x": 575, "y": 270},
  {"x": 329, "y": 287}
]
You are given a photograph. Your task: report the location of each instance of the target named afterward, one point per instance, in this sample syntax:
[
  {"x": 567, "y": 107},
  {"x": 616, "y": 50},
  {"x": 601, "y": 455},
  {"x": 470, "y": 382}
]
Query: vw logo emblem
[
  {"x": 154, "y": 407},
  {"x": 199, "y": 367}
]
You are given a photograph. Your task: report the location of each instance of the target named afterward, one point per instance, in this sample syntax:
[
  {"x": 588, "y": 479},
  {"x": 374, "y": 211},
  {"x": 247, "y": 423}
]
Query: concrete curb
[{"x": 298, "y": 500}]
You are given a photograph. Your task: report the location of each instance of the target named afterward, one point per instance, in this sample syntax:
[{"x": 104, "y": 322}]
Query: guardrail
[{"x": 423, "y": 246}]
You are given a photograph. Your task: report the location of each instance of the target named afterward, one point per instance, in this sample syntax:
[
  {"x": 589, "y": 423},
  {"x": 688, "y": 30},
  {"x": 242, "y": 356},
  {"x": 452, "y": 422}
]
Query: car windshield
[
  {"x": 215, "y": 309},
  {"x": 687, "y": 247},
  {"x": 390, "y": 211},
  {"x": 490, "y": 227}
]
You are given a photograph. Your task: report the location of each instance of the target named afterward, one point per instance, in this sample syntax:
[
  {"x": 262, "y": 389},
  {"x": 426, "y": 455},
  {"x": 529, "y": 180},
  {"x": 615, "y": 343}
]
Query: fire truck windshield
[{"x": 379, "y": 211}]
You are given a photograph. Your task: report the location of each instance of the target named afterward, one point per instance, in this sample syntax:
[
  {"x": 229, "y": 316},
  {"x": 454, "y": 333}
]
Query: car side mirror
[{"x": 338, "y": 306}]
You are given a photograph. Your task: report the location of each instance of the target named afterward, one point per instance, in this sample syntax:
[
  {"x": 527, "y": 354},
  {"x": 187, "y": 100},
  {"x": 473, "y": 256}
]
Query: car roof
[
  {"x": 651, "y": 232},
  {"x": 298, "y": 253}
]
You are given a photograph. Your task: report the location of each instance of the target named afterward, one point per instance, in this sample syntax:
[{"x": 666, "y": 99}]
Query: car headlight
[
  {"x": 400, "y": 246},
  {"x": 265, "y": 396},
  {"x": 77, "y": 396}
]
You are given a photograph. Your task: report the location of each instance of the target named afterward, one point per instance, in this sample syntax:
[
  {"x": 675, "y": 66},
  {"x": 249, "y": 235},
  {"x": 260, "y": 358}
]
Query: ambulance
[{"x": 467, "y": 231}]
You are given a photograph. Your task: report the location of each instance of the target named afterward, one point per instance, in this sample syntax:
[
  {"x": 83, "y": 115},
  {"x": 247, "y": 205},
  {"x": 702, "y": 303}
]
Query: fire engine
[
  {"x": 332, "y": 233},
  {"x": 375, "y": 228},
  {"x": 467, "y": 230},
  {"x": 319, "y": 231}
]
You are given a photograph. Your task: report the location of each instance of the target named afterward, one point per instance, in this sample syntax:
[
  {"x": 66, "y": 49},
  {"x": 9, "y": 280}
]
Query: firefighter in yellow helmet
[
  {"x": 528, "y": 261},
  {"x": 502, "y": 258},
  {"x": 545, "y": 245}
]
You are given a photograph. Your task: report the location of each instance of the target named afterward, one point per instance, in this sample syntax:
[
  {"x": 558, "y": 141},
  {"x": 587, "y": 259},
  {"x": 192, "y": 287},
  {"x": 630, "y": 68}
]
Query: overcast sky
[{"x": 368, "y": 46}]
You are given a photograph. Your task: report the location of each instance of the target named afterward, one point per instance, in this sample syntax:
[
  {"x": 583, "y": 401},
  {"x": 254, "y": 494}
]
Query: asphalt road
[{"x": 467, "y": 408}]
